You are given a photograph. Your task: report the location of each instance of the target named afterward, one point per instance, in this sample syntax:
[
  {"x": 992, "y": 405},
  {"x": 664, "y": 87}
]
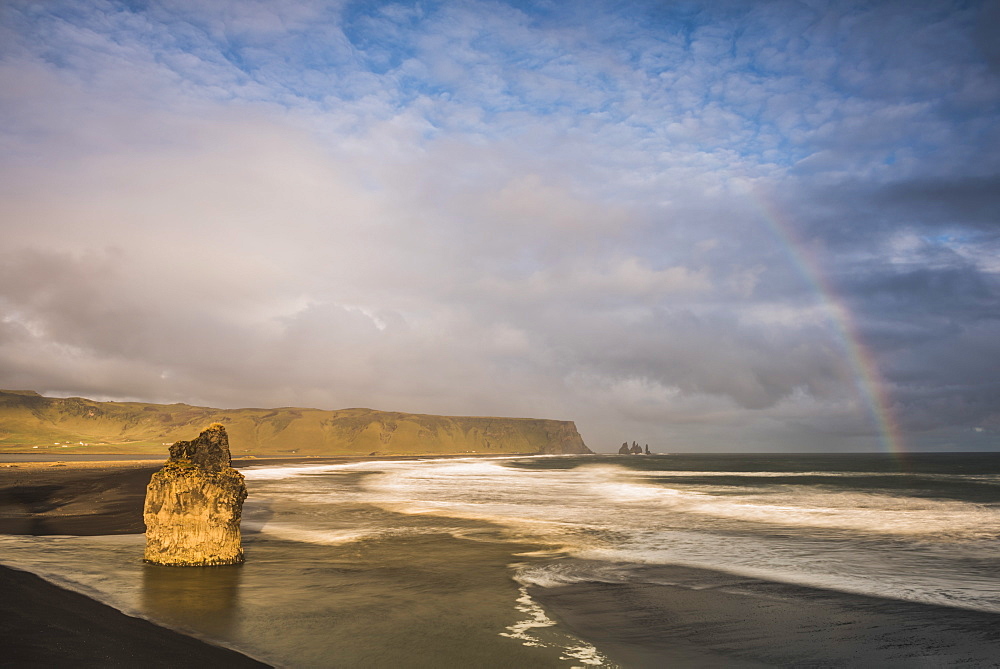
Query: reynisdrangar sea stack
[{"x": 194, "y": 504}]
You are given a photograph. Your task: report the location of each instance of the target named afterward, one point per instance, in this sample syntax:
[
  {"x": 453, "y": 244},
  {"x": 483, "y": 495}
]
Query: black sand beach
[
  {"x": 674, "y": 616},
  {"x": 86, "y": 497},
  {"x": 77, "y": 498},
  {"x": 710, "y": 619},
  {"x": 43, "y": 625},
  {"x": 46, "y": 626}
]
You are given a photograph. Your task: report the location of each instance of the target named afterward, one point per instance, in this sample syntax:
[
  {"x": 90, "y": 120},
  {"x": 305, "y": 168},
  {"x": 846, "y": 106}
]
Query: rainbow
[{"x": 869, "y": 382}]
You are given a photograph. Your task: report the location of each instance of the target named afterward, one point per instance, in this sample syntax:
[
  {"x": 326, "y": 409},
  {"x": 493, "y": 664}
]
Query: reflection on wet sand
[{"x": 199, "y": 598}]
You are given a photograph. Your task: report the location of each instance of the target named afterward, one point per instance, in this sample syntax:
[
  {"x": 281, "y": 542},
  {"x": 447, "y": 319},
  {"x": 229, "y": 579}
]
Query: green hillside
[{"x": 32, "y": 423}]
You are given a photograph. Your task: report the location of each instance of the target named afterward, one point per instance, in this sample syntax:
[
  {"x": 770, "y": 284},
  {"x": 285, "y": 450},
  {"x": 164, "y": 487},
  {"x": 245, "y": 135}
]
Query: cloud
[{"x": 484, "y": 208}]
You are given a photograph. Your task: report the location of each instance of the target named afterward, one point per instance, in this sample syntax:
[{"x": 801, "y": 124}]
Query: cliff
[{"x": 77, "y": 425}]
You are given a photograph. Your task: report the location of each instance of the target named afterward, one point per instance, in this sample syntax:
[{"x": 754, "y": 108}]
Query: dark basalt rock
[{"x": 210, "y": 451}]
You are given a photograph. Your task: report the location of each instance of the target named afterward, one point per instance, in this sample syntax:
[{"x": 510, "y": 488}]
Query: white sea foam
[
  {"x": 850, "y": 539},
  {"x": 687, "y": 473},
  {"x": 876, "y": 573},
  {"x": 308, "y": 535},
  {"x": 858, "y": 541},
  {"x": 278, "y": 473},
  {"x": 527, "y": 632},
  {"x": 536, "y": 619},
  {"x": 261, "y": 473},
  {"x": 554, "y": 574},
  {"x": 879, "y": 574},
  {"x": 867, "y": 512},
  {"x": 526, "y": 499}
]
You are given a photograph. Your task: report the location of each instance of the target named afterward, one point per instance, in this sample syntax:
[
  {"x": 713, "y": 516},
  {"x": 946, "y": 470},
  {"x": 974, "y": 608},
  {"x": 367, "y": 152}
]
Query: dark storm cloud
[
  {"x": 916, "y": 262},
  {"x": 972, "y": 202}
]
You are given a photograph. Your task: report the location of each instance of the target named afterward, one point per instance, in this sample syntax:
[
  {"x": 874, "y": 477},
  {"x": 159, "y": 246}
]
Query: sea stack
[{"x": 194, "y": 504}]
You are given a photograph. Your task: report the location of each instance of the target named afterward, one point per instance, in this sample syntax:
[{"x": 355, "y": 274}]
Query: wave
[
  {"x": 723, "y": 570},
  {"x": 264, "y": 473},
  {"x": 312, "y": 536},
  {"x": 527, "y": 631},
  {"x": 875, "y": 513},
  {"x": 613, "y": 497},
  {"x": 279, "y": 473},
  {"x": 614, "y": 519}
]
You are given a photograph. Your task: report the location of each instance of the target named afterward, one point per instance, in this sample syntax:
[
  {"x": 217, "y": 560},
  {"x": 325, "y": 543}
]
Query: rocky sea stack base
[{"x": 194, "y": 504}]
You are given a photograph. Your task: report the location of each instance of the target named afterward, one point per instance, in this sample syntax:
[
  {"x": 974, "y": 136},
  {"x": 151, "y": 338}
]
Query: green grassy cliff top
[{"x": 32, "y": 423}]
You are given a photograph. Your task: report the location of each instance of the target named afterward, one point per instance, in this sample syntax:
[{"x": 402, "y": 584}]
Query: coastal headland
[{"x": 31, "y": 423}]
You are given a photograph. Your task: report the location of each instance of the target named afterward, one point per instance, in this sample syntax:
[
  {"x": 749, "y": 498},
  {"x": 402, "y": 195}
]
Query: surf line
[{"x": 871, "y": 386}]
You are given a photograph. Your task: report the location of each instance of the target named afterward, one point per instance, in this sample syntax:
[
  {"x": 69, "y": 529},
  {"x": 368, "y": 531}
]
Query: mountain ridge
[{"x": 31, "y": 422}]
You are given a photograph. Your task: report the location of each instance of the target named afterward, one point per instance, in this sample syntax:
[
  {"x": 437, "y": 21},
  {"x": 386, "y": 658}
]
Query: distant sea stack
[
  {"x": 194, "y": 504},
  {"x": 636, "y": 449}
]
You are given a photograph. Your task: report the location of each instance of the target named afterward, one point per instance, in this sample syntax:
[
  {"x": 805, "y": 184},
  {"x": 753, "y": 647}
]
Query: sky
[{"x": 707, "y": 226}]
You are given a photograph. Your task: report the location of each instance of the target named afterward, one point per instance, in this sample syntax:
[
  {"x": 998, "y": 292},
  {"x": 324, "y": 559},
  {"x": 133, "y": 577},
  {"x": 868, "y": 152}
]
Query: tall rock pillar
[{"x": 194, "y": 504}]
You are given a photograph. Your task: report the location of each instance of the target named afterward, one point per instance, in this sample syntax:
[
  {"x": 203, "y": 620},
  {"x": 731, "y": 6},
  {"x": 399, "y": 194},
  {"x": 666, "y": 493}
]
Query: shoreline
[
  {"x": 90, "y": 499},
  {"x": 47, "y": 625},
  {"x": 668, "y": 614},
  {"x": 694, "y": 617},
  {"x": 97, "y": 497}
]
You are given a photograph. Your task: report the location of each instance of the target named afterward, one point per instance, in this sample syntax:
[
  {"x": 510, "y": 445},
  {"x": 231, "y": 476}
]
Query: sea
[{"x": 553, "y": 561}]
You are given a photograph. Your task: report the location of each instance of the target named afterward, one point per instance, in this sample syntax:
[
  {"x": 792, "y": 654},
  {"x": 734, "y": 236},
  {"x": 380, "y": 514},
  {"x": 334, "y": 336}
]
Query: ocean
[{"x": 585, "y": 561}]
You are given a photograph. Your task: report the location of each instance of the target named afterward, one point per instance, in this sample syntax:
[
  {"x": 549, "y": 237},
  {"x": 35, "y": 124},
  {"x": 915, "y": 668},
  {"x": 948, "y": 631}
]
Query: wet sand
[
  {"x": 89, "y": 497},
  {"x": 81, "y": 498},
  {"x": 697, "y": 618},
  {"x": 43, "y": 625}
]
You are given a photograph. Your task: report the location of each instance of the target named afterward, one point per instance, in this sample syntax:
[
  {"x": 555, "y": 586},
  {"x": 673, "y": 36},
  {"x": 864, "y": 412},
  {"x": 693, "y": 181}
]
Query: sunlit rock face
[{"x": 194, "y": 504}]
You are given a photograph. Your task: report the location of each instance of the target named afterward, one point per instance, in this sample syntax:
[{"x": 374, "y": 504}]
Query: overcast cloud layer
[{"x": 660, "y": 220}]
